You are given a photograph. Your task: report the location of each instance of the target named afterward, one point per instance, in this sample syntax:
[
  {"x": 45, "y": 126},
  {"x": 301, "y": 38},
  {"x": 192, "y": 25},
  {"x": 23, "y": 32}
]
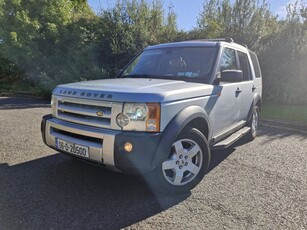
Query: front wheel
[{"x": 185, "y": 166}]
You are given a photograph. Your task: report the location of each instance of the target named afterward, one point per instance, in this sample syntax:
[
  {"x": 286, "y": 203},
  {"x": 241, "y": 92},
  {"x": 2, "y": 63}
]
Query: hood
[{"x": 134, "y": 90}]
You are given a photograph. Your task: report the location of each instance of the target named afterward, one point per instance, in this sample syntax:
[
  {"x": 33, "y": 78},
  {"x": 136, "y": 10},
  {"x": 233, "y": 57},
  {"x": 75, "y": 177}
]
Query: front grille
[
  {"x": 92, "y": 113},
  {"x": 78, "y": 136}
]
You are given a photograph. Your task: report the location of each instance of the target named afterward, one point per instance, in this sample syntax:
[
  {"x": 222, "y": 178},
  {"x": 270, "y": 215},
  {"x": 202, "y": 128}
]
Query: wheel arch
[
  {"x": 201, "y": 124},
  {"x": 257, "y": 101},
  {"x": 193, "y": 116}
]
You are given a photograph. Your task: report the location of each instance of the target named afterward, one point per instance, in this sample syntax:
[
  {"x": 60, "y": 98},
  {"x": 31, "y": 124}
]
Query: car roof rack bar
[{"x": 220, "y": 39}]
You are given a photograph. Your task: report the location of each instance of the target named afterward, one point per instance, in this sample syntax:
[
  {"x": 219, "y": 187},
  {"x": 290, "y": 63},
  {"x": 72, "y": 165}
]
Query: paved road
[{"x": 257, "y": 185}]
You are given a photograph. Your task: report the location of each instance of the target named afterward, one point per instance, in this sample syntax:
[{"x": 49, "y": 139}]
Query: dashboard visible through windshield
[{"x": 184, "y": 63}]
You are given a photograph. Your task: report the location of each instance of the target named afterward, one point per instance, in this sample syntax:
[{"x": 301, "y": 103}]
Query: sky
[{"x": 188, "y": 10}]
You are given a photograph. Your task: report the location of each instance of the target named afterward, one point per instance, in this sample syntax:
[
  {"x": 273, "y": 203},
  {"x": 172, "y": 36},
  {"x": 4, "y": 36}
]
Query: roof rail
[{"x": 220, "y": 39}]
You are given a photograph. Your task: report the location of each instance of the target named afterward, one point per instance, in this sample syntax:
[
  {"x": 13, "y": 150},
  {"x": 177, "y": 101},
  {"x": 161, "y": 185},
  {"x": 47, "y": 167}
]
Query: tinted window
[
  {"x": 228, "y": 60},
  {"x": 255, "y": 64},
  {"x": 244, "y": 65}
]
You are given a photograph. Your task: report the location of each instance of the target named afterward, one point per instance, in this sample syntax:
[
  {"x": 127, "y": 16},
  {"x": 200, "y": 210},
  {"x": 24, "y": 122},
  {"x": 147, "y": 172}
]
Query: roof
[{"x": 195, "y": 43}]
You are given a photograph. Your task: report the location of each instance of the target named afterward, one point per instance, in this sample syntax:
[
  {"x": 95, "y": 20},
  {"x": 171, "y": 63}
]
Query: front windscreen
[{"x": 173, "y": 63}]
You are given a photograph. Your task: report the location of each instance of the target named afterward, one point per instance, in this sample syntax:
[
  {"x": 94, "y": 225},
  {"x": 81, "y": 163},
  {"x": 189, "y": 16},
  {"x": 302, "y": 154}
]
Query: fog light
[
  {"x": 128, "y": 147},
  {"x": 122, "y": 120}
]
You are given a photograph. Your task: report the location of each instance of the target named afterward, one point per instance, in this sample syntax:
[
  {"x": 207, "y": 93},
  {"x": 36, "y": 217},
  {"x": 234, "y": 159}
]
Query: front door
[{"x": 227, "y": 107}]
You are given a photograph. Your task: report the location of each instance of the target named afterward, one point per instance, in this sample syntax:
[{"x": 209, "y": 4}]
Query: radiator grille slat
[
  {"x": 86, "y": 113},
  {"x": 86, "y": 110}
]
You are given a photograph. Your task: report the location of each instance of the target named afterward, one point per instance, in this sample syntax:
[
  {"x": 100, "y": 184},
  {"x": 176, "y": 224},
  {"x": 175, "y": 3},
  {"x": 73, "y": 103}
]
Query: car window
[
  {"x": 228, "y": 60},
  {"x": 255, "y": 64},
  {"x": 173, "y": 62},
  {"x": 244, "y": 65}
]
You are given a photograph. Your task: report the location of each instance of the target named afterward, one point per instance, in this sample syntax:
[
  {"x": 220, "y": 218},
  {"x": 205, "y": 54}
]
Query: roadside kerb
[{"x": 284, "y": 124}]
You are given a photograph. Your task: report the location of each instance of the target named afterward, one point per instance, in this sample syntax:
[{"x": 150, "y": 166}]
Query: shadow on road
[
  {"x": 217, "y": 156},
  {"x": 22, "y": 103},
  {"x": 59, "y": 192},
  {"x": 273, "y": 133}
]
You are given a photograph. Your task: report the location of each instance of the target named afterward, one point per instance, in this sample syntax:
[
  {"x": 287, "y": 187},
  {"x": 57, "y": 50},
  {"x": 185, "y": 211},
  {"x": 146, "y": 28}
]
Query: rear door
[
  {"x": 258, "y": 74},
  {"x": 246, "y": 87}
]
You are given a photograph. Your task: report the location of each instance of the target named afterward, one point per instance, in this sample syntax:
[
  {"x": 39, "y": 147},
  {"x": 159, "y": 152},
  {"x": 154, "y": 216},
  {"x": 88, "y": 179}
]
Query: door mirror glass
[{"x": 231, "y": 76}]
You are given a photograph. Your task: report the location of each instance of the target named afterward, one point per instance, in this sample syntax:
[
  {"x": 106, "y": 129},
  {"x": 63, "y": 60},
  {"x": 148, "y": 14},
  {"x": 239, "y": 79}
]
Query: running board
[{"x": 231, "y": 139}]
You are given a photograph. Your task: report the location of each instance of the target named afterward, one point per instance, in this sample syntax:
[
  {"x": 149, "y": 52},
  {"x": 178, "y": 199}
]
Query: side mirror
[{"x": 231, "y": 76}]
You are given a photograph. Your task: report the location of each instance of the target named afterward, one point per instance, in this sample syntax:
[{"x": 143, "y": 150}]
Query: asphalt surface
[{"x": 256, "y": 185}]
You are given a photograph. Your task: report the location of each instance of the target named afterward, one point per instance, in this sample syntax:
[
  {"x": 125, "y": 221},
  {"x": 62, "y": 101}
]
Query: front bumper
[{"x": 106, "y": 147}]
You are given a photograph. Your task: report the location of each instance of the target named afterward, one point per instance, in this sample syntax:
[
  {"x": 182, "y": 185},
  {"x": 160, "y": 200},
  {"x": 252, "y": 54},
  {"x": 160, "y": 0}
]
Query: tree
[
  {"x": 303, "y": 12},
  {"x": 247, "y": 21},
  {"x": 48, "y": 39},
  {"x": 284, "y": 60},
  {"x": 128, "y": 27},
  {"x": 58, "y": 41}
]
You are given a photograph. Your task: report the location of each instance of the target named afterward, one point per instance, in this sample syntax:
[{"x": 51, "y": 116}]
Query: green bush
[{"x": 44, "y": 43}]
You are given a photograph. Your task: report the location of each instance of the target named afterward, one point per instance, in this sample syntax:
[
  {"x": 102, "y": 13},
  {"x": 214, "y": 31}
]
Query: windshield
[{"x": 172, "y": 63}]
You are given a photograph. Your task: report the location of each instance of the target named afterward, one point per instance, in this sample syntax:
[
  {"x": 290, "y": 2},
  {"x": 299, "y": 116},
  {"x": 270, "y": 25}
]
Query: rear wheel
[
  {"x": 185, "y": 166},
  {"x": 253, "y": 124}
]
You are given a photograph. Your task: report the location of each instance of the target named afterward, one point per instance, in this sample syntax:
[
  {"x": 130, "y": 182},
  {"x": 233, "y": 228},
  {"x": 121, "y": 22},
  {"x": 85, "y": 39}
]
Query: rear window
[
  {"x": 244, "y": 65},
  {"x": 255, "y": 64}
]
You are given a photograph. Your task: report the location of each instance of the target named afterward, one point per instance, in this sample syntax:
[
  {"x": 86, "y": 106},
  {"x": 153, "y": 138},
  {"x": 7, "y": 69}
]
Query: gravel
[{"x": 256, "y": 185}]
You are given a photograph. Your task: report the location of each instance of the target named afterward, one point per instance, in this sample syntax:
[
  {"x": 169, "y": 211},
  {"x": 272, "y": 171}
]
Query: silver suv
[{"x": 163, "y": 114}]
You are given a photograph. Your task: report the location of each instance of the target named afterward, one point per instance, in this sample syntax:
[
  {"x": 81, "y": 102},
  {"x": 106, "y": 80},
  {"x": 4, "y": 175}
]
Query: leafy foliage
[
  {"x": 59, "y": 41},
  {"x": 246, "y": 21},
  {"x": 284, "y": 61},
  {"x": 48, "y": 39},
  {"x": 280, "y": 44},
  {"x": 49, "y": 42},
  {"x": 129, "y": 27}
]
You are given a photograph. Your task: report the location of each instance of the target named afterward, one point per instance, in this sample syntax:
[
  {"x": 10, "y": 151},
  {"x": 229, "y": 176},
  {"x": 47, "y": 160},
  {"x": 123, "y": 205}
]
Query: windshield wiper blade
[
  {"x": 137, "y": 76},
  {"x": 142, "y": 76}
]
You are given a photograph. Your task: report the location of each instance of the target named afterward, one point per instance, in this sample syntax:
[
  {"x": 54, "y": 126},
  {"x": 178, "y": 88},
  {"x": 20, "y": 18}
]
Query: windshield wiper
[{"x": 137, "y": 76}]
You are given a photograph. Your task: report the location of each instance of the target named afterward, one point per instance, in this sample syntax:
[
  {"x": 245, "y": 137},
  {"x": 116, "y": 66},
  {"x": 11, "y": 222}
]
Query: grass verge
[{"x": 289, "y": 113}]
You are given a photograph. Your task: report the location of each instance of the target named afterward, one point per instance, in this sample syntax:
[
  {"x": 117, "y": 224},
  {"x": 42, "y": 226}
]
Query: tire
[
  {"x": 185, "y": 166},
  {"x": 253, "y": 124}
]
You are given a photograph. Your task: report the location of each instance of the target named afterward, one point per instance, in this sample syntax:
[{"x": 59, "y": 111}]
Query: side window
[
  {"x": 255, "y": 64},
  {"x": 244, "y": 66},
  {"x": 228, "y": 60}
]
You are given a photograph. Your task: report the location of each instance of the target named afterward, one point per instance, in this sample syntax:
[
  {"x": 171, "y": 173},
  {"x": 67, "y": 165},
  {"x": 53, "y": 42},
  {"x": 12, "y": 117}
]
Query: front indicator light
[{"x": 153, "y": 117}]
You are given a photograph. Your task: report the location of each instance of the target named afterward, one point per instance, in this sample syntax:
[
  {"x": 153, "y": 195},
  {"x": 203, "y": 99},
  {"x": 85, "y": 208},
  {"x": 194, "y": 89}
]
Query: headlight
[
  {"x": 140, "y": 117},
  {"x": 53, "y": 106}
]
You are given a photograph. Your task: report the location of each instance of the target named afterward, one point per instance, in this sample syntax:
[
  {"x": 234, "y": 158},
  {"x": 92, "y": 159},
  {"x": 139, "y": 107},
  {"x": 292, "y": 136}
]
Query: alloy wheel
[{"x": 184, "y": 163}]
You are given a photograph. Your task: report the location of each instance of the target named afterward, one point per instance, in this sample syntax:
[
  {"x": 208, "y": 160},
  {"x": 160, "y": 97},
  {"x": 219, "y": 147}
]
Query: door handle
[
  {"x": 253, "y": 88},
  {"x": 238, "y": 90}
]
